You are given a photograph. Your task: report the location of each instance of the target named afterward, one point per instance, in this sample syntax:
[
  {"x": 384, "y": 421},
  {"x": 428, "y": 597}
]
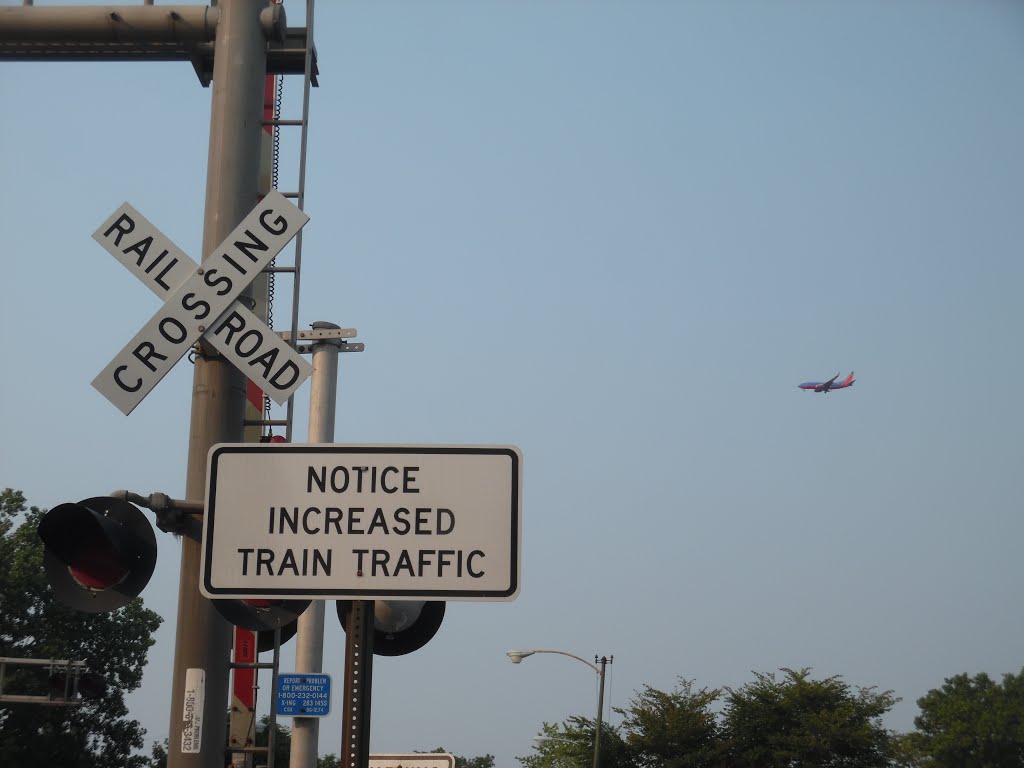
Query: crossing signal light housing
[
  {"x": 99, "y": 553},
  {"x": 263, "y": 617},
  {"x": 399, "y": 626}
]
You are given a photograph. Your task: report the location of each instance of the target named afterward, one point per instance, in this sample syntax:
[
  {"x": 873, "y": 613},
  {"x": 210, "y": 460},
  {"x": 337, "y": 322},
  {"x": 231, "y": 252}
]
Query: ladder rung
[
  {"x": 278, "y": 121},
  {"x": 251, "y": 665},
  {"x": 265, "y": 423},
  {"x": 289, "y": 194},
  {"x": 279, "y": 269}
]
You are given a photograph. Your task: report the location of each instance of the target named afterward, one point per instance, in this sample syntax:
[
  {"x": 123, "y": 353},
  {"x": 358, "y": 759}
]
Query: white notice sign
[{"x": 362, "y": 522}]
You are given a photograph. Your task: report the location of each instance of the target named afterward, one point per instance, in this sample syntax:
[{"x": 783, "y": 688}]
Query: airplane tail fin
[{"x": 848, "y": 380}]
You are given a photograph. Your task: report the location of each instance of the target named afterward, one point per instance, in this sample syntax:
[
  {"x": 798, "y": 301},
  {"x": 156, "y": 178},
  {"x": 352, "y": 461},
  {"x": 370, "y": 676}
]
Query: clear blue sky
[{"x": 616, "y": 235}]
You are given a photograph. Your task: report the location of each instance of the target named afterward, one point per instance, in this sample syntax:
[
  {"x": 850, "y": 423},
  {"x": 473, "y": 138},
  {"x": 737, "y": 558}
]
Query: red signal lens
[
  {"x": 98, "y": 553},
  {"x": 96, "y": 568}
]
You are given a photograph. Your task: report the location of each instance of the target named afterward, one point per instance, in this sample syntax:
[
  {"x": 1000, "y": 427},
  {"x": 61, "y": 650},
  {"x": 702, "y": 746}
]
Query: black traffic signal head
[
  {"x": 399, "y": 626},
  {"x": 263, "y": 617},
  {"x": 100, "y": 553}
]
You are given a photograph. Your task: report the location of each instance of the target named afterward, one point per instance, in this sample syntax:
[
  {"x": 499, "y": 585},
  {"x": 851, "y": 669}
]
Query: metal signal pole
[
  {"x": 203, "y": 638},
  {"x": 309, "y": 639}
]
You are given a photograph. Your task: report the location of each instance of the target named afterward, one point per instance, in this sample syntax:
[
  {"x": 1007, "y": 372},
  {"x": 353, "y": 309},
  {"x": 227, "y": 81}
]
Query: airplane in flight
[{"x": 828, "y": 386}]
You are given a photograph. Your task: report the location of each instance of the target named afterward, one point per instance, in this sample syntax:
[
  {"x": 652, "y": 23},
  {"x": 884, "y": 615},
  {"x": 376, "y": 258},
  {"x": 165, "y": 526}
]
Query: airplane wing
[{"x": 827, "y": 385}]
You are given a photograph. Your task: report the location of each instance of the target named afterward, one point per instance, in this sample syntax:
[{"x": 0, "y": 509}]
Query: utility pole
[
  {"x": 600, "y": 710},
  {"x": 203, "y": 638},
  {"x": 309, "y": 639}
]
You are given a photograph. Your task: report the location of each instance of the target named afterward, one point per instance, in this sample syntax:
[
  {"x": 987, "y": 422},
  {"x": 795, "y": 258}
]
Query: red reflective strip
[
  {"x": 245, "y": 653},
  {"x": 254, "y": 395},
  {"x": 269, "y": 95}
]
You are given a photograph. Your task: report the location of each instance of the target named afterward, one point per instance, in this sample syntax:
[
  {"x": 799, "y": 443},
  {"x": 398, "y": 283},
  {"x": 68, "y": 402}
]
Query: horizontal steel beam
[
  {"x": 141, "y": 33},
  {"x": 11, "y": 699},
  {"x": 20, "y": 662},
  {"x": 61, "y": 25}
]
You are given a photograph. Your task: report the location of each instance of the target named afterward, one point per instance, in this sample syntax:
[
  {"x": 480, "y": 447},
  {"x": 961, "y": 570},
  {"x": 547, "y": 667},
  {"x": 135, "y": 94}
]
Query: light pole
[{"x": 518, "y": 656}]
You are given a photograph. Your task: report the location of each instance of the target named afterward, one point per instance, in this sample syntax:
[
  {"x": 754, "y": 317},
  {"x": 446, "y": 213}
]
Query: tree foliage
[
  {"x": 282, "y": 742},
  {"x": 158, "y": 755},
  {"x": 972, "y": 722},
  {"x": 790, "y": 722},
  {"x": 480, "y": 761},
  {"x": 675, "y": 729},
  {"x": 34, "y": 625},
  {"x": 798, "y": 722},
  {"x": 571, "y": 745}
]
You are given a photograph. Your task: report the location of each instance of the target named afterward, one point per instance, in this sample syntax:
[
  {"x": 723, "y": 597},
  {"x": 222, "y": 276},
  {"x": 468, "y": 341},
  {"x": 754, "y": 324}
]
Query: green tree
[
  {"x": 972, "y": 722},
  {"x": 34, "y": 625},
  {"x": 673, "y": 730},
  {"x": 480, "y": 761},
  {"x": 571, "y": 745},
  {"x": 158, "y": 755},
  {"x": 907, "y": 751},
  {"x": 282, "y": 743},
  {"x": 659, "y": 730},
  {"x": 797, "y": 722}
]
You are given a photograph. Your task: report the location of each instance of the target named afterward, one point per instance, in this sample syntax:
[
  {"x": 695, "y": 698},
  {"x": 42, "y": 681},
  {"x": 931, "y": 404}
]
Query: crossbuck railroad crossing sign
[{"x": 201, "y": 301}]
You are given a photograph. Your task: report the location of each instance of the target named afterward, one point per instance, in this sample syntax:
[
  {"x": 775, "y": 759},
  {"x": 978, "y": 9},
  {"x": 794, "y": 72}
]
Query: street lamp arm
[
  {"x": 521, "y": 654},
  {"x": 518, "y": 656}
]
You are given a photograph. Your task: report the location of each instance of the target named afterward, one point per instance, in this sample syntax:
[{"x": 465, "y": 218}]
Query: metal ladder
[
  {"x": 299, "y": 197},
  {"x": 247, "y": 747},
  {"x": 294, "y": 335}
]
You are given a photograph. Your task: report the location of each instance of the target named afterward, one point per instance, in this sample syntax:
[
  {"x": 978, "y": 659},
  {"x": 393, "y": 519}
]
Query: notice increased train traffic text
[{"x": 317, "y": 521}]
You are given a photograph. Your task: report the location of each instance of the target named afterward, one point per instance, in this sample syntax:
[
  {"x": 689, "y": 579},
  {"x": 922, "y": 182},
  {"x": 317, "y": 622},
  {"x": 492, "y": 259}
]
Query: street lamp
[{"x": 518, "y": 656}]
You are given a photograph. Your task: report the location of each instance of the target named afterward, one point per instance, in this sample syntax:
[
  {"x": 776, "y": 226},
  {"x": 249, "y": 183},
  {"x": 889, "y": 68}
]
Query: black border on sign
[{"x": 369, "y": 594}]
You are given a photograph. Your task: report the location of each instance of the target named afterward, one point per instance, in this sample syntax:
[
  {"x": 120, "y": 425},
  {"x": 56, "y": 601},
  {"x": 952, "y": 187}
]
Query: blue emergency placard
[{"x": 303, "y": 695}]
